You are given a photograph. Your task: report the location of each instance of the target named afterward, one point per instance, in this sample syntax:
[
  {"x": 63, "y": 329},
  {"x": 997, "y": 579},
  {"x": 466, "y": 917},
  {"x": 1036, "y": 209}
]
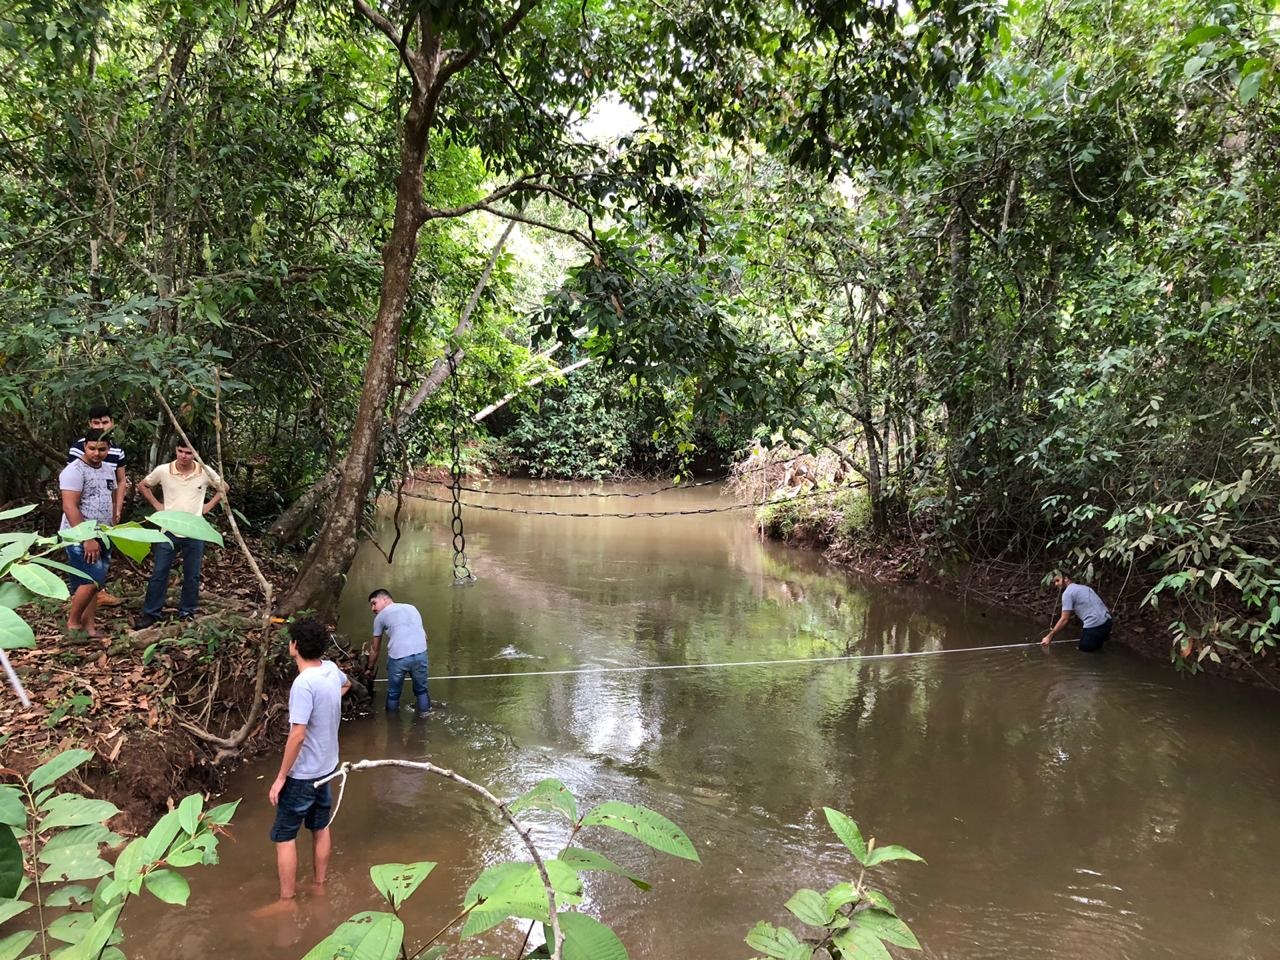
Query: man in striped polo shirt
[{"x": 100, "y": 418}]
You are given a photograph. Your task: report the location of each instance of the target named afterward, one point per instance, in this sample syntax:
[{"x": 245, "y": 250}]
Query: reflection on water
[{"x": 1068, "y": 806}]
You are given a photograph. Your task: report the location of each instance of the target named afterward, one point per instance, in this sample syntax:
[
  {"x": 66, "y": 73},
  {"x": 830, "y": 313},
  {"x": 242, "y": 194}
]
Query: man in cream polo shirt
[{"x": 183, "y": 483}]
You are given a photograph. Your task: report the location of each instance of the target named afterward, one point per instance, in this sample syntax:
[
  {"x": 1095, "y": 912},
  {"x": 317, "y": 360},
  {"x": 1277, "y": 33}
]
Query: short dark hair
[
  {"x": 94, "y": 435},
  {"x": 380, "y": 592},
  {"x": 310, "y": 637},
  {"x": 99, "y": 410}
]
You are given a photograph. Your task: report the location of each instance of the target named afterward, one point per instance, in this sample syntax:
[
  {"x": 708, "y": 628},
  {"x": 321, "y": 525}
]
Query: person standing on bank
[
  {"x": 100, "y": 419},
  {"x": 310, "y": 754},
  {"x": 88, "y": 488},
  {"x": 1088, "y": 606},
  {"x": 183, "y": 483},
  {"x": 406, "y": 648}
]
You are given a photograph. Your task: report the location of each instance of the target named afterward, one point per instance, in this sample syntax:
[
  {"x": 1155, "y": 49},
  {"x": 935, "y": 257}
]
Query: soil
[{"x": 127, "y": 696}]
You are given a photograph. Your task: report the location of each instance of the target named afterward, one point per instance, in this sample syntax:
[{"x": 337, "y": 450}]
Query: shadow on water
[{"x": 1069, "y": 806}]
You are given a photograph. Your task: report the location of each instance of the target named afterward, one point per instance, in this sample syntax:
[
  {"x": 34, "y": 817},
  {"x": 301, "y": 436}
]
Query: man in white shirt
[
  {"x": 183, "y": 484},
  {"x": 1088, "y": 606},
  {"x": 88, "y": 489}
]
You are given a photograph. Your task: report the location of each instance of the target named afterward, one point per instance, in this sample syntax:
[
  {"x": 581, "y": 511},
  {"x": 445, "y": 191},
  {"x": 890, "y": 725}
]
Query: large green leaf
[
  {"x": 11, "y": 908},
  {"x": 887, "y": 927},
  {"x": 136, "y": 533},
  {"x": 12, "y": 809},
  {"x": 366, "y": 936},
  {"x": 516, "y": 890},
  {"x": 102, "y": 932},
  {"x": 15, "y": 512},
  {"x": 75, "y": 863},
  {"x": 14, "y": 595},
  {"x": 645, "y": 825},
  {"x": 12, "y": 946},
  {"x": 548, "y": 794},
  {"x": 189, "y": 813},
  {"x": 397, "y": 881},
  {"x": 39, "y": 580},
  {"x": 58, "y": 565},
  {"x": 73, "y": 810},
  {"x": 586, "y": 938},
  {"x": 85, "y": 530},
  {"x": 222, "y": 813},
  {"x": 581, "y": 859},
  {"x": 137, "y": 552},
  {"x": 15, "y": 633},
  {"x": 70, "y": 895},
  {"x": 848, "y": 833},
  {"x": 859, "y": 943},
  {"x": 160, "y": 836},
  {"x": 10, "y": 863},
  {"x": 93, "y": 833},
  {"x": 70, "y": 927},
  {"x": 891, "y": 851},
  {"x": 168, "y": 885},
  {"x": 809, "y": 906},
  {"x": 58, "y": 767},
  {"x": 182, "y": 524},
  {"x": 777, "y": 942}
]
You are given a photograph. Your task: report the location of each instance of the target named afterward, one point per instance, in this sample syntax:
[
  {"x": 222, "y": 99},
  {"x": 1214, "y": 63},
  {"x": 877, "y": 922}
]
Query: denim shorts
[
  {"x": 91, "y": 573},
  {"x": 301, "y": 802},
  {"x": 1092, "y": 638}
]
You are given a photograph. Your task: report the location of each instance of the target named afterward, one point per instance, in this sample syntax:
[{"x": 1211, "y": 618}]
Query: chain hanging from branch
[{"x": 461, "y": 572}]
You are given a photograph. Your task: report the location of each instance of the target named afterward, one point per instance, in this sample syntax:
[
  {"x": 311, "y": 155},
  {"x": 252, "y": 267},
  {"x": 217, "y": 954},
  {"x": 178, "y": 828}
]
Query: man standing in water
[
  {"x": 310, "y": 754},
  {"x": 406, "y": 648},
  {"x": 1088, "y": 606}
]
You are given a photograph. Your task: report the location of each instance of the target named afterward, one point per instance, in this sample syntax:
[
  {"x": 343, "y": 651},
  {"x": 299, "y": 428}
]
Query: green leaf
[
  {"x": 1200, "y": 35},
  {"x": 777, "y": 942},
  {"x": 858, "y": 943},
  {"x": 132, "y": 859},
  {"x": 57, "y": 565},
  {"x": 189, "y": 813},
  {"x": 73, "y": 810},
  {"x": 93, "y": 833},
  {"x": 645, "y": 825},
  {"x": 182, "y": 524},
  {"x": 102, "y": 931},
  {"x": 135, "y": 533},
  {"x": 85, "y": 530},
  {"x": 1250, "y": 84},
  {"x": 39, "y": 580},
  {"x": 160, "y": 836},
  {"x": 11, "y": 908},
  {"x": 887, "y": 927},
  {"x": 840, "y": 895},
  {"x": 15, "y": 634},
  {"x": 891, "y": 851},
  {"x": 14, "y": 512},
  {"x": 12, "y": 946},
  {"x": 58, "y": 767},
  {"x": 809, "y": 906},
  {"x": 848, "y": 833},
  {"x": 72, "y": 895},
  {"x": 12, "y": 810},
  {"x": 10, "y": 863},
  {"x": 75, "y": 863},
  {"x": 586, "y": 938},
  {"x": 581, "y": 859},
  {"x": 221, "y": 815},
  {"x": 14, "y": 595},
  {"x": 516, "y": 890},
  {"x": 137, "y": 552},
  {"x": 70, "y": 927},
  {"x": 878, "y": 899},
  {"x": 366, "y": 936},
  {"x": 168, "y": 885},
  {"x": 548, "y": 794},
  {"x": 397, "y": 881}
]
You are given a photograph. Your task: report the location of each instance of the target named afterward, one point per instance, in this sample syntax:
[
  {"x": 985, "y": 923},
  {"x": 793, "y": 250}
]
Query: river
[{"x": 1068, "y": 805}]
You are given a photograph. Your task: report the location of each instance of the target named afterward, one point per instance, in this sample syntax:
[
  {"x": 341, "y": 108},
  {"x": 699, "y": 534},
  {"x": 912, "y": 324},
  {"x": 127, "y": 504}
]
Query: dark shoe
[
  {"x": 186, "y": 616},
  {"x": 144, "y": 620}
]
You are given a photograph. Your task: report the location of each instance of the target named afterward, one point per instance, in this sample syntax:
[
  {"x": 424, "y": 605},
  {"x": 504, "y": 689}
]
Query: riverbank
[
  {"x": 152, "y": 704},
  {"x": 840, "y": 529}
]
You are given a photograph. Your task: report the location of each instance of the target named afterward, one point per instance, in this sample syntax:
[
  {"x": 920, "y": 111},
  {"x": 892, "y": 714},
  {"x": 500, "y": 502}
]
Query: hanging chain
[{"x": 461, "y": 572}]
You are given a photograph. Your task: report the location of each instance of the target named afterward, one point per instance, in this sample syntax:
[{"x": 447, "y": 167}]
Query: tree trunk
[{"x": 320, "y": 580}]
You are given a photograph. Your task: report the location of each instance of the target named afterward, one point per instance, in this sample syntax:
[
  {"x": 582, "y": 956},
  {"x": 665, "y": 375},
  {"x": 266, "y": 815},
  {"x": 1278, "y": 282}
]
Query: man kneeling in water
[{"x": 1088, "y": 606}]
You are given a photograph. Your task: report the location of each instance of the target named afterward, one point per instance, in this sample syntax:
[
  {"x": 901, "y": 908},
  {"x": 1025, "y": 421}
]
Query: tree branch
[{"x": 460, "y": 61}]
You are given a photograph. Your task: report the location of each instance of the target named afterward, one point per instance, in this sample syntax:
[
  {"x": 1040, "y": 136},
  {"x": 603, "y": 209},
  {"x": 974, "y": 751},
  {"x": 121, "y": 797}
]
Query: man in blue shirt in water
[
  {"x": 1088, "y": 606},
  {"x": 406, "y": 648}
]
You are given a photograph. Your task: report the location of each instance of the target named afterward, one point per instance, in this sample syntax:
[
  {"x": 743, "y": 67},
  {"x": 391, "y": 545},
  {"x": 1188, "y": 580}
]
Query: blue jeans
[
  {"x": 301, "y": 802},
  {"x": 192, "y": 556},
  {"x": 415, "y": 665}
]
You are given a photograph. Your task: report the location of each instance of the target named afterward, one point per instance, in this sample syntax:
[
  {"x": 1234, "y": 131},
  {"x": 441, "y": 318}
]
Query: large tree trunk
[{"x": 320, "y": 580}]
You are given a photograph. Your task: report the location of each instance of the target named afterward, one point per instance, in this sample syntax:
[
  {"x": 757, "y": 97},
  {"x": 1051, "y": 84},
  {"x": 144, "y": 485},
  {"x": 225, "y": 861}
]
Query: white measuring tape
[{"x": 732, "y": 663}]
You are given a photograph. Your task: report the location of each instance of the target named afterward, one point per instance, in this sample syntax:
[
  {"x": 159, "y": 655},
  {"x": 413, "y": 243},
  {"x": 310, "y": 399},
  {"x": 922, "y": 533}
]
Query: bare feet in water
[{"x": 277, "y": 909}]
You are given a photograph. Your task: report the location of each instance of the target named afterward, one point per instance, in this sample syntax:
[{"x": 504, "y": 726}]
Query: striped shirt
[{"x": 113, "y": 459}]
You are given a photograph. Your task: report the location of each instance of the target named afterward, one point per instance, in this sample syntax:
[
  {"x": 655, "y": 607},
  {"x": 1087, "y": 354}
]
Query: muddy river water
[{"x": 1067, "y": 805}]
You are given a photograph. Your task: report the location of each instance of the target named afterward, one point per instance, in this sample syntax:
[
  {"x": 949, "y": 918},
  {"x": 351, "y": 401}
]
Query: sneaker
[
  {"x": 108, "y": 599},
  {"x": 144, "y": 620}
]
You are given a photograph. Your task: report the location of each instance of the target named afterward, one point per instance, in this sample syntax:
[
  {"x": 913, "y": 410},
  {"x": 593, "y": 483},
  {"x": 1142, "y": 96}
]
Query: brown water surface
[{"x": 1068, "y": 805}]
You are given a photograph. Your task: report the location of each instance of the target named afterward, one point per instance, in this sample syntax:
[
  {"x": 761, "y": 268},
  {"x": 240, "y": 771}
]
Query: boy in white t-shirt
[{"x": 183, "y": 484}]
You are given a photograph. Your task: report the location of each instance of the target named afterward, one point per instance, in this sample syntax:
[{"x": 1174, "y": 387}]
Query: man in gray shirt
[
  {"x": 310, "y": 754},
  {"x": 88, "y": 490},
  {"x": 406, "y": 648},
  {"x": 1088, "y": 606}
]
